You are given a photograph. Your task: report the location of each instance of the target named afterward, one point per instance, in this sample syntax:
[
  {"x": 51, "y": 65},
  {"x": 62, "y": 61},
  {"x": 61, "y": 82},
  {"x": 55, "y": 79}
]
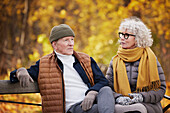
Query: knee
[{"x": 105, "y": 89}]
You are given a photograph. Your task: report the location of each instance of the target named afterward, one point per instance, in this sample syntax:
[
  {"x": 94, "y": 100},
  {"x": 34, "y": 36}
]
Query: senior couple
[{"x": 72, "y": 82}]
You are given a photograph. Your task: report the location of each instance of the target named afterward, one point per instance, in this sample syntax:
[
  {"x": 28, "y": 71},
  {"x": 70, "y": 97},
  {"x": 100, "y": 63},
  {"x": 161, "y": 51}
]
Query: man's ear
[{"x": 54, "y": 45}]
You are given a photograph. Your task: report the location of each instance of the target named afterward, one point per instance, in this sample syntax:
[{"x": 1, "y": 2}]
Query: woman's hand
[
  {"x": 136, "y": 97},
  {"x": 124, "y": 100}
]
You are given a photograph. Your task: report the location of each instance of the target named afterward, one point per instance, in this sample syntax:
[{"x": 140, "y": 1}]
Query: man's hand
[
  {"x": 136, "y": 97},
  {"x": 88, "y": 100},
  {"x": 24, "y": 77},
  {"x": 124, "y": 100}
]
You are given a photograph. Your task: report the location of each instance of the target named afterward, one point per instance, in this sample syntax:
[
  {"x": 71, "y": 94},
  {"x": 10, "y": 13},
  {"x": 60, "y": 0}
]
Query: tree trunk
[
  {"x": 24, "y": 24},
  {"x": 165, "y": 57}
]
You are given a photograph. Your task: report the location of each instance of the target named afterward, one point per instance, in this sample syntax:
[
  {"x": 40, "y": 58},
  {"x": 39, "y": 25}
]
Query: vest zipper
[
  {"x": 63, "y": 92},
  {"x": 62, "y": 88}
]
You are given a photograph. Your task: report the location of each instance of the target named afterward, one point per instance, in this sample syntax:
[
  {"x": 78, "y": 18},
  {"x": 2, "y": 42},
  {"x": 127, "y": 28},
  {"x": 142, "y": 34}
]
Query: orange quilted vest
[{"x": 51, "y": 83}]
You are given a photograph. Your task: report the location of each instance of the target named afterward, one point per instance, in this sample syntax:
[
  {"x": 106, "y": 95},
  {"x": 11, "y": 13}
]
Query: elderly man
[{"x": 69, "y": 81}]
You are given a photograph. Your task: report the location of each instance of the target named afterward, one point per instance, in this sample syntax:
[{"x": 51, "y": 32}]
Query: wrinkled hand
[
  {"x": 124, "y": 100},
  {"x": 88, "y": 100},
  {"x": 24, "y": 77},
  {"x": 136, "y": 97}
]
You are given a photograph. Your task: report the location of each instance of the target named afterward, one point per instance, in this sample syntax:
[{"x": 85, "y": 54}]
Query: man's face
[{"x": 64, "y": 45}]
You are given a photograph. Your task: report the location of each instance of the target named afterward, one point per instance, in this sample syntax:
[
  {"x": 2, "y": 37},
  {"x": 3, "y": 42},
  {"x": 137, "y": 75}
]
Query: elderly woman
[{"x": 135, "y": 75}]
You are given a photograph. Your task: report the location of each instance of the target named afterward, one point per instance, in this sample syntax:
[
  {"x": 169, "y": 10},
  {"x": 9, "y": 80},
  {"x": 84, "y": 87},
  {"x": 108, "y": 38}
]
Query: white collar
[{"x": 65, "y": 58}]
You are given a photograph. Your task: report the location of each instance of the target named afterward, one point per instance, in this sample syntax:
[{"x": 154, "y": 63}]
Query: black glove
[
  {"x": 136, "y": 97},
  {"x": 88, "y": 100},
  {"x": 24, "y": 77}
]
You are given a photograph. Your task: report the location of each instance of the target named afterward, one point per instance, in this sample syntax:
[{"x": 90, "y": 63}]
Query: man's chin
[{"x": 69, "y": 53}]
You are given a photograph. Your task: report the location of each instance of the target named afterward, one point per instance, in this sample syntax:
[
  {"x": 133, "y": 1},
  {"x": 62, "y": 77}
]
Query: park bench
[{"x": 6, "y": 87}]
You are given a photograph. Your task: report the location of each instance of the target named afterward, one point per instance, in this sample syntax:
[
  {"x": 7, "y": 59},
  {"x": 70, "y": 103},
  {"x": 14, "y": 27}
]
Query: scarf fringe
[{"x": 155, "y": 85}]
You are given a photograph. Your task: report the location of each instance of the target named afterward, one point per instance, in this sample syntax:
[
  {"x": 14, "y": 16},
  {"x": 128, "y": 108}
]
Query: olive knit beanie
[{"x": 60, "y": 31}]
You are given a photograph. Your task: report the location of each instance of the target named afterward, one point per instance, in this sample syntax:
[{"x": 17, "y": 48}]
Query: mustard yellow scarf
[{"x": 148, "y": 78}]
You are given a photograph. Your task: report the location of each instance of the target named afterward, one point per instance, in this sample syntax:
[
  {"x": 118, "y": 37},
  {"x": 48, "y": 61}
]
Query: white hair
[{"x": 137, "y": 27}]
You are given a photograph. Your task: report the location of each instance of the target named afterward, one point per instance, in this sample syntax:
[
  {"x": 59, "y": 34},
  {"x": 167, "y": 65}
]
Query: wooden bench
[{"x": 6, "y": 87}]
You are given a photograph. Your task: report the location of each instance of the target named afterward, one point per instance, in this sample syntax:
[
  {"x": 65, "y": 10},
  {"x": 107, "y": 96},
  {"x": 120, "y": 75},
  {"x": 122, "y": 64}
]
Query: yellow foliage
[
  {"x": 50, "y": 8},
  {"x": 167, "y": 35},
  {"x": 18, "y": 63},
  {"x": 17, "y": 39},
  {"x": 35, "y": 56},
  {"x": 92, "y": 28},
  {"x": 46, "y": 46},
  {"x": 95, "y": 23},
  {"x": 20, "y": 108},
  {"x": 62, "y": 13},
  {"x": 133, "y": 4},
  {"x": 41, "y": 38}
]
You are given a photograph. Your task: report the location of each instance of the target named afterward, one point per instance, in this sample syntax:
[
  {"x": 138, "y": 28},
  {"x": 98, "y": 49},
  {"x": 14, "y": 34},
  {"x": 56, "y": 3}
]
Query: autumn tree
[{"x": 26, "y": 25}]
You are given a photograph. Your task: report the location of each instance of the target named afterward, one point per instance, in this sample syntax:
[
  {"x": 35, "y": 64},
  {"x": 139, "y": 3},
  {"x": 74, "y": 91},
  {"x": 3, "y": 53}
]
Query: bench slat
[{"x": 6, "y": 87}]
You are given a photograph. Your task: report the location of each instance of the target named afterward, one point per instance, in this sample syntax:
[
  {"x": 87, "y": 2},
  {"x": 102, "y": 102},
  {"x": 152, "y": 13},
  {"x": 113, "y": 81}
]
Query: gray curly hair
[{"x": 137, "y": 27}]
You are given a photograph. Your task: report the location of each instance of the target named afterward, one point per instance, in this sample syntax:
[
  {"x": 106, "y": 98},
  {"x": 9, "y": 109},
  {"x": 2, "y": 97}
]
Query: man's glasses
[{"x": 126, "y": 35}]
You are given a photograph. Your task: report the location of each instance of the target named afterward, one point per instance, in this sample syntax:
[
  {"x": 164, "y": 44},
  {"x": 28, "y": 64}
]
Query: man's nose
[{"x": 71, "y": 42}]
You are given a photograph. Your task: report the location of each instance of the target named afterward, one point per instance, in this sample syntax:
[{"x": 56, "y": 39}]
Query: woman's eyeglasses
[{"x": 126, "y": 35}]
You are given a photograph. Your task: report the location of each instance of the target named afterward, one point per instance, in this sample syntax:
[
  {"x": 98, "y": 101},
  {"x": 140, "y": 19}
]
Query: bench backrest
[{"x": 6, "y": 87}]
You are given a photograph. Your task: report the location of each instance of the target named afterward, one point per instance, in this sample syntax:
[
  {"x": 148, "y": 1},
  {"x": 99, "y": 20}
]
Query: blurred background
[{"x": 25, "y": 27}]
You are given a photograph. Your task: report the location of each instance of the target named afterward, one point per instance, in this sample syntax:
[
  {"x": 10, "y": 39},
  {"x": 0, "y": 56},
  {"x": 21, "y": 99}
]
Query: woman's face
[{"x": 127, "y": 40}]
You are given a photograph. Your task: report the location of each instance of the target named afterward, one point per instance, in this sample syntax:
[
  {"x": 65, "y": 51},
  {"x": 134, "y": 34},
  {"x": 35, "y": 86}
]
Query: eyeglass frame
[{"x": 125, "y": 34}]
